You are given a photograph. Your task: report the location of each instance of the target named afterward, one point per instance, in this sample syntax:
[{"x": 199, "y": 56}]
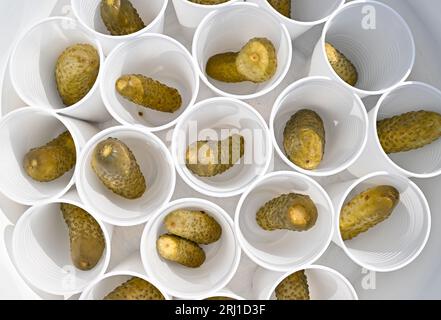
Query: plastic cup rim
[
  {"x": 276, "y": 108},
  {"x": 248, "y": 248},
  {"x": 182, "y": 201},
  {"x": 190, "y": 61},
  {"x": 285, "y": 37},
  {"x": 406, "y": 29}
]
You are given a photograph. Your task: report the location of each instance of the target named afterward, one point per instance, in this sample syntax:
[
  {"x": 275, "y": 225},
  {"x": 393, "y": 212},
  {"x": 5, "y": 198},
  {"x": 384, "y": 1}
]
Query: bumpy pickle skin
[
  {"x": 222, "y": 298},
  {"x": 76, "y": 72},
  {"x": 282, "y": 6},
  {"x": 409, "y": 131},
  {"x": 180, "y": 250},
  {"x": 135, "y": 289},
  {"x": 222, "y": 67},
  {"x": 257, "y": 60},
  {"x": 209, "y": 2},
  {"x": 341, "y": 65},
  {"x": 115, "y": 165},
  {"x": 148, "y": 93},
  {"x": 209, "y": 158},
  {"x": 193, "y": 225},
  {"x": 51, "y": 161},
  {"x": 87, "y": 242},
  {"x": 293, "y": 287},
  {"x": 304, "y": 139},
  {"x": 367, "y": 209},
  {"x": 120, "y": 17},
  {"x": 292, "y": 211}
]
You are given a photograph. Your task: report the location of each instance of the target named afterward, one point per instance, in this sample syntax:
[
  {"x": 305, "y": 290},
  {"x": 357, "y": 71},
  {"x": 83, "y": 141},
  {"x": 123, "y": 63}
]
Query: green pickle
[
  {"x": 180, "y": 250},
  {"x": 76, "y": 72},
  {"x": 87, "y": 242},
  {"x": 293, "y": 287},
  {"x": 341, "y": 65},
  {"x": 120, "y": 17},
  {"x": 51, "y": 161},
  {"x": 193, "y": 225},
  {"x": 209, "y": 158},
  {"x": 209, "y": 2},
  {"x": 282, "y": 6},
  {"x": 116, "y": 167},
  {"x": 304, "y": 139},
  {"x": 290, "y": 211},
  {"x": 148, "y": 93},
  {"x": 222, "y": 67},
  {"x": 255, "y": 62},
  {"x": 409, "y": 131},
  {"x": 135, "y": 289},
  {"x": 367, "y": 209}
]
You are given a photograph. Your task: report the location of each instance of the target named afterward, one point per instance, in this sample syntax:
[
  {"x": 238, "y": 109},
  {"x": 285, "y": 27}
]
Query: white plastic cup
[
  {"x": 41, "y": 248},
  {"x": 152, "y": 13},
  {"x": 128, "y": 268},
  {"x": 222, "y": 256},
  {"x": 229, "y": 29},
  {"x": 169, "y": 63},
  {"x": 216, "y": 119},
  {"x": 155, "y": 163},
  {"x": 33, "y": 62},
  {"x": 190, "y": 14},
  {"x": 305, "y": 14},
  {"x": 420, "y": 163},
  {"x": 344, "y": 117},
  {"x": 395, "y": 242},
  {"x": 375, "y": 38},
  {"x": 324, "y": 283},
  {"x": 283, "y": 250},
  {"x": 28, "y": 128}
]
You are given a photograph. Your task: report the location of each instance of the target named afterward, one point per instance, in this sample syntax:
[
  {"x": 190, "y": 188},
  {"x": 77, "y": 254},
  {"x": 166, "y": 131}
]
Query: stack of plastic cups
[{"x": 152, "y": 13}]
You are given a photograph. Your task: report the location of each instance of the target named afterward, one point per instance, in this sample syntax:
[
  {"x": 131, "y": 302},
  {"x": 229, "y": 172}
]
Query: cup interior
[
  {"x": 252, "y": 22},
  {"x": 42, "y": 252},
  {"x": 216, "y": 119},
  {"x": 222, "y": 256},
  {"x": 156, "y": 166},
  {"x": 311, "y": 10},
  {"x": 396, "y": 241},
  {"x": 376, "y": 40},
  {"x": 406, "y": 98},
  {"x": 89, "y": 12},
  {"x": 22, "y": 131},
  {"x": 344, "y": 119},
  {"x": 282, "y": 249},
  {"x": 34, "y": 60},
  {"x": 108, "y": 283},
  {"x": 169, "y": 63},
  {"x": 324, "y": 284}
]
